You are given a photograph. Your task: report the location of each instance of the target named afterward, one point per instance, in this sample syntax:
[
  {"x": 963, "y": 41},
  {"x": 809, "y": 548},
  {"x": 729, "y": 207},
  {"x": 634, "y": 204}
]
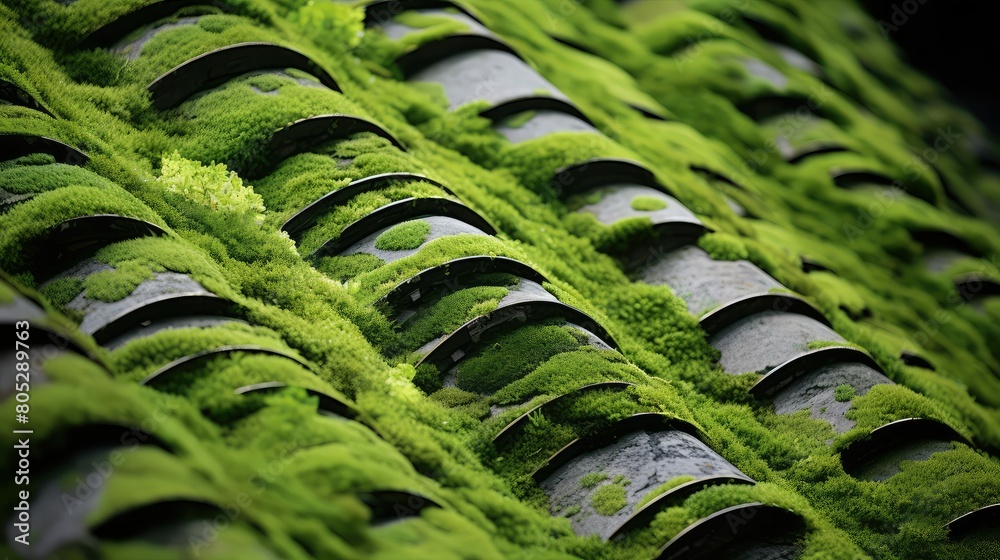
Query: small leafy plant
[{"x": 211, "y": 185}]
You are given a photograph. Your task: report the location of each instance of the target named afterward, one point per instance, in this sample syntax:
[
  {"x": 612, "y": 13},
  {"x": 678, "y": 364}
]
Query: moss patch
[
  {"x": 117, "y": 284},
  {"x": 648, "y": 203},
  {"x": 405, "y": 236},
  {"x": 682, "y": 55},
  {"x": 346, "y": 267},
  {"x": 62, "y": 290},
  {"x": 593, "y": 479},
  {"x": 843, "y": 393},
  {"x": 609, "y": 499},
  {"x": 512, "y": 356}
]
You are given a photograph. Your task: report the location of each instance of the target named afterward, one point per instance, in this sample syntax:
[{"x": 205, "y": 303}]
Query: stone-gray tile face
[
  {"x": 766, "y": 72},
  {"x": 395, "y": 30},
  {"x": 797, "y": 59},
  {"x": 939, "y": 259},
  {"x": 99, "y": 313},
  {"x": 56, "y": 524},
  {"x": 491, "y": 75},
  {"x": 887, "y": 464},
  {"x": 765, "y": 340},
  {"x": 543, "y": 122},
  {"x": 646, "y": 459},
  {"x": 20, "y": 309},
  {"x": 616, "y": 204},
  {"x": 815, "y": 392},
  {"x": 131, "y": 48},
  {"x": 704, "y": 283}
]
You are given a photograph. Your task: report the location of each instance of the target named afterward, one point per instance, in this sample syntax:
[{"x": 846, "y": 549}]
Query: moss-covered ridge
[{"x": 102, "y": 108}]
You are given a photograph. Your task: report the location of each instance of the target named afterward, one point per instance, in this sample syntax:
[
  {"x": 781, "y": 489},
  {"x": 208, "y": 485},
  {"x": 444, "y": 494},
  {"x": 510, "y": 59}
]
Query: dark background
[{"x": 957, "y": 42}]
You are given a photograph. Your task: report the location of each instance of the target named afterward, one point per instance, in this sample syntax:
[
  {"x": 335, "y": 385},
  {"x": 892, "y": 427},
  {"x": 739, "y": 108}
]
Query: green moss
[
  {"x": 434, "y": 253},
  {"x": 427, "y": 378},
  {"x": 346, "y": 267},
  {"x": 40, "y": 173},
  {"x": 468, "y": 403},
  {"x": 571, "y": 511},
  {"x": 648, "y": 203},
  {"x": 567, "y": 370},
  {"x": 142, "y": 356},
  {"x": 332, "y": 25},
  {"x": 663, "y": 489},
  {"x": 609, "y": 499},
  {"x": 7, "y": 293},
  {"x": 723, "y": 247},
  {"x": 614, "y": 238},
  {"x": 117, "y": 284},
  {"x": 61, "y": 291},
  {"x": 820, "y": 344},
  {"x": 885, "y": 403},
  {"x": 843, "y": 393},
  {"x": 331, "y": 225},
  {"x": 520, "y": 119},
  {"x": 172, "y": 47},
  {"x": 233, "y": 123},
  {"x": 451, "y": 312},
  {"x": 656, "y": 315},
  {"x": 136, "y": 260},
  {"x": 682, "y": 55},
  {"x": 514, "y": 355},
  {"x": 213, "y": 185},
  {"x": 303, "y": 178},
  {"x": 593, "y": 479},
  {"x": 28, "y": 220},
  {"x": 405, "y": 236},
  {"x": 534, "y": 162}
]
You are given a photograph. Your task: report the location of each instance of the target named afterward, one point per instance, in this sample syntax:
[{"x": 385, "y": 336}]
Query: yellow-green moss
[
  {"x": 843, "y": 393},
  {"x": 878, "y": 296},
  {"x": 610, "y": 498},
  {"x": 593, "y": 479},
  {"x": 648, "y": 203},
  {"x": 408, "y": 235}
]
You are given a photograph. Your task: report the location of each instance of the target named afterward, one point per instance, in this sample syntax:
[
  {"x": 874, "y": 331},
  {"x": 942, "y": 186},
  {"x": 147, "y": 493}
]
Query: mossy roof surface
[{"x": 297, "y": 476}]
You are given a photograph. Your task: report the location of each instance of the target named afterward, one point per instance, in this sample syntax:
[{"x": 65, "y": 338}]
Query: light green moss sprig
[
  {"x": 332, "y": 25},
  {"x": 212, "y": 185}
]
